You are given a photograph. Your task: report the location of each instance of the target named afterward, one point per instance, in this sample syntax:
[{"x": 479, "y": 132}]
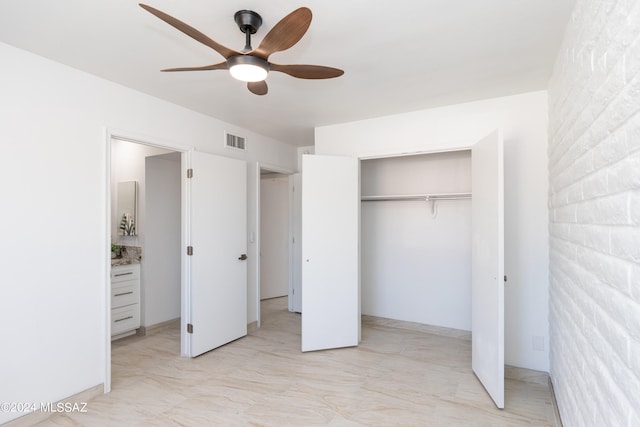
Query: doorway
[
  {"x": 151, "y": 243},
  {"x": 213, "y": 279},
  {"x": 416, "y": 252},
  {"x": 274, "y": 235},
  {"x": 273, "y": 238}
]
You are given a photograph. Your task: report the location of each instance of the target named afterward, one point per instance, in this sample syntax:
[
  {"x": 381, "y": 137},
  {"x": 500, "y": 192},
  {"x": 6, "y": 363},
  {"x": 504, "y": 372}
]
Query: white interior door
[
  {"x": 330, "y": 246},
  {"x": 487, "y": 265},
  {"x": 218, "y": 285}
]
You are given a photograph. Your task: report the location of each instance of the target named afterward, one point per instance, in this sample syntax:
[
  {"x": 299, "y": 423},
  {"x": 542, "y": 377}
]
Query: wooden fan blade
[
  {"x": 285, "y": 34},
  {"x": 219, "y": 66},
  {"x": 307, "y": 71},
  {"x": 258, "y": 88},
  {"x": 191, "y": 32}
]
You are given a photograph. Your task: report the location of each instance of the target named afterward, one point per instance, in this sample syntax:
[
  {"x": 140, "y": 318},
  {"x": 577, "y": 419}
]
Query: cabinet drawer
[
  {"x": 125, "y": 319},
  {"x": 125, "y": 293},
  {"x": 123, "y": 273}
]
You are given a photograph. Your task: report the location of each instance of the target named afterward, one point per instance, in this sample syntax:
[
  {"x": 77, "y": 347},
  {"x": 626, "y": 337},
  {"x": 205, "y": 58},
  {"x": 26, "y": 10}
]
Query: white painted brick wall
[{"x": 594, "y": 209}]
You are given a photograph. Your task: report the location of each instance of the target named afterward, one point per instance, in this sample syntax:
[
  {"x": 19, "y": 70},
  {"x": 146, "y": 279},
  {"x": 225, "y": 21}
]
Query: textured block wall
[{"x": 594, "y": 206}]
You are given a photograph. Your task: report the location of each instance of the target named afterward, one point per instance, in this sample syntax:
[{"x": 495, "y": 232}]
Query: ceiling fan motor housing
[{"x": 248, "y": 20}]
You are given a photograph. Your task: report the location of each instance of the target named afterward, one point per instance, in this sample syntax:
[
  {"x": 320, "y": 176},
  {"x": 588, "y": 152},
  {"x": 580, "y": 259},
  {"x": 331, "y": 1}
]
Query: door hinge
[
  {"x": 189, "y": 250},
  {"x": 505, "y": 279},
  {"x": 189, "y": 173},
  {"x": 189, "y": 328},
  {"x": 293, "y": 239}
]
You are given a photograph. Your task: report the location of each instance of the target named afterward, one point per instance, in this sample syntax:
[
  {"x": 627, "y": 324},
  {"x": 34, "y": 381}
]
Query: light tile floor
[{"x": 396, "y": 377}]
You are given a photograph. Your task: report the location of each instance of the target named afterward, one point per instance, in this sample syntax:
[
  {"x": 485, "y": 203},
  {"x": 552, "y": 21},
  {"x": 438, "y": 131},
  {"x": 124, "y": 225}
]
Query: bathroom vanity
[{"x": 125, "y": 300}]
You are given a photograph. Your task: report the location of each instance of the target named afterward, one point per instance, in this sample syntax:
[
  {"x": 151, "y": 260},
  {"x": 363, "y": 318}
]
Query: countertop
[
  {"x": 128, "y": 255},
  {"x": 123, "y": 261}
]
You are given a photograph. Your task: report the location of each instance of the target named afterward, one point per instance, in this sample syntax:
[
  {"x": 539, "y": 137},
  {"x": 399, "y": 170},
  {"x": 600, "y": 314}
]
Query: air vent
[{"x": 235, "y": 141}]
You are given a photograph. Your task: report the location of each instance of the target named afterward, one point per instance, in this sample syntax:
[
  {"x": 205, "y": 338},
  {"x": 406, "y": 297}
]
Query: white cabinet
[{"x": 125, "y": 300}]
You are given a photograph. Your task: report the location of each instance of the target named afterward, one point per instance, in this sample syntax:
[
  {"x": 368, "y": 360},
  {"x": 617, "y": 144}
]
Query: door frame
[
  {"x": 255, "y": 231},
  {"x": 295, "y": 248},
  {"x": 132, "y": 137}
]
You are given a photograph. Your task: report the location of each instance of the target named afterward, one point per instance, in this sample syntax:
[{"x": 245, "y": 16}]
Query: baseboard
[
  {"x": 153, "y": 329},
  {"x": 38, "y": 416},
  {"x": 253, "y": 326},
  {"x": 537, "y": 377},
  {"x": 556, "y": 411},
  {"x": 526, "y": 375},
  {"x": 414, "y": 326}
]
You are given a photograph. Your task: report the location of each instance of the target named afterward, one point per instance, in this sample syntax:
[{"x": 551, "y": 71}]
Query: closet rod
[{"x": 416, "y": 197}]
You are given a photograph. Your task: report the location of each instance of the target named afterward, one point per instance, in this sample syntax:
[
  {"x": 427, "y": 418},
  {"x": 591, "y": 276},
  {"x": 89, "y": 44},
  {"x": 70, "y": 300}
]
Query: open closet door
[
  {"x": 218, "y": 285},
  {"x": 487, "y": 265},
  {"x": 330, "y": 260}
]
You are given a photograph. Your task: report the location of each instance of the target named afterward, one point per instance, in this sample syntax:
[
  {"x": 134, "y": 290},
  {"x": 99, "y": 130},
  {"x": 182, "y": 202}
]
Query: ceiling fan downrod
[{"x": 248, "y": 21}]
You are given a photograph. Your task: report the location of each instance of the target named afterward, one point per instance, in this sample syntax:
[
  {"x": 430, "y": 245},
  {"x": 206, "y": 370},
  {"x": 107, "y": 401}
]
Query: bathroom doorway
[{"x": 152, "y": 301}]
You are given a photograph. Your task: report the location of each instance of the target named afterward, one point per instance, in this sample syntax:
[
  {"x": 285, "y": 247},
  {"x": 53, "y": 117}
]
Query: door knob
[{"x": 242, "y": 257}]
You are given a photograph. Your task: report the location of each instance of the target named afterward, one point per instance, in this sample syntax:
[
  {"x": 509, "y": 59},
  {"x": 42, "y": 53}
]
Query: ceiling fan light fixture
[{"x": 248, "y": 68}]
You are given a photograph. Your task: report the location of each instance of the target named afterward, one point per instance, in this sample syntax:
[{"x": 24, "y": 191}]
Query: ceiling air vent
[{"x": 235, "y": 141}]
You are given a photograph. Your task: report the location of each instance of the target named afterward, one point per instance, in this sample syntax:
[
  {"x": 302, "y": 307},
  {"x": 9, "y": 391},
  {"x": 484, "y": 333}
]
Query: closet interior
[{"x": 416, "y": 238}]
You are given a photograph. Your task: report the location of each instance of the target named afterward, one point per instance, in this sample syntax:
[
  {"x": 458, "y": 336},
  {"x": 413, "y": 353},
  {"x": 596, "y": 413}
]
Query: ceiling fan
[{"x": 252, "y": 65}]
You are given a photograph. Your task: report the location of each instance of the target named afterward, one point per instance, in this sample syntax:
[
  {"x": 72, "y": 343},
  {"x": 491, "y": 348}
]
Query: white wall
[
  {"x": 274, "y": 237},
  {"x": 523, "y": 119},
  {"x": 53, "y": 176},
  {"x": 161, "y": 253},
  {"x": 417, "y": 267},
  {"x": 594, "y": 199}
]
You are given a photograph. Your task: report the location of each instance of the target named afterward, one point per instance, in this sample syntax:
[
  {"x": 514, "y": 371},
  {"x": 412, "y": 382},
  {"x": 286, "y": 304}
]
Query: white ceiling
[{"x": 398, "y": 56}]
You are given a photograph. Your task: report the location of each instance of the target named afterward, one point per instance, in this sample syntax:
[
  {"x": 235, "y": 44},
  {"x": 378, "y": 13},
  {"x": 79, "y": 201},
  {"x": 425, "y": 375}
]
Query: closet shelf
[{"x": 417, "y": 197}]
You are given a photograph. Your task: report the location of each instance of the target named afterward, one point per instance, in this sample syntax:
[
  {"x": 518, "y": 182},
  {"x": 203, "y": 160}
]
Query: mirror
[{"x": 127, "y": 212}]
